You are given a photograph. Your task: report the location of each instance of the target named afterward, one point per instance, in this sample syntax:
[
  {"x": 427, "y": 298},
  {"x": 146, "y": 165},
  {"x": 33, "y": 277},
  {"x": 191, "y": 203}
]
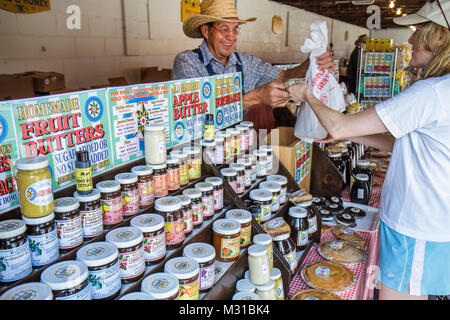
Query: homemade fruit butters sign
[
  {"x": 228, "y": 100},
  {"x": 57, "y": 126}
]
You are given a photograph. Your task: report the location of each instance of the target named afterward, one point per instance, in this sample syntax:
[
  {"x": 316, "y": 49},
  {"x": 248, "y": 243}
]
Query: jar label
[
  {"x": 195, "y": 168},
  {"x": 283, "y": 195},
  {"x": 132, "y": 264},
  {"x": 44, "y": 248},
  {"x": 322, "y": 271},
  {"x": 246, "y": 234},
  {"x": 197, "y": 214},
  {"x": 248, "y": 178},
  {"x": 265, "y": 211},
  {"x": 279, "y": 292},
  {"x": 207, "y": 277},
  {"x": 92, "y": 221},
  {"x": 83, "y": 178},
  {"x": 230, "y": 248},
  {"x": 146, "y": 193},
  {"x": 161, "y": 185},
  {"x": 130, "y": 202},
  {"x": 228, "y": 149},
  {"x": 70, "y": 232},
  {"x": 84, "y": 294},
  {"x": 219, "y": 154},
  {"x": 112, "y": 210},
  {"x": 218, "y": 199},
  {"x": 240, "y": 184},
  {"x": 312, "y": 224},
  {"x": 15, "y": 263},
  {"x": 155, "y": 247},
  {"x": 40, "y": 193},
  {"x": 106, "y": 282},
  {"x": 291, "y": 259},
  {"x": 189, "y": 291},
  {"x": 302, "y": 238},
  {"x": 187, "y": 217},
  {"x": 174, "y": 232},
  {"x": 208, "y": 206},
  {"x": 173, "y": 181},
  {"x": 261, "y": 169},
  {"x": 236, "y": 146},
  {"x": 254, "y": 171},
  {"x": 184, "y": 174}
]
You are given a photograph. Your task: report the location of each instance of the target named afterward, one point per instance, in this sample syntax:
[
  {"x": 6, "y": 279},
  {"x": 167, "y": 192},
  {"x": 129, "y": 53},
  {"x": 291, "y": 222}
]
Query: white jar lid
[
  {"x": 126, "y": 178},
  {"x": 226, "y": 226},
  {"x": 218, "y": 139},
  {"x": 125, "y": 237},
  {"x": 245, "y": 161},
  {"x": 98, "y": 254},
  {"x": 298, "y": 212},
  {"x": 245, "y": 285},
  {"x": 40, "y": 220},
  {"x": 282, "y": 237},
  {"x": 334, "y": 155},
  {"x": 238, "y": 166},
  {"x": 266, "y": 287},
  {"x": 241, "y": 215},
  {"x": 154, "y": 127},
  {"x": 159, "y": 166},
  {"x": 362, "y": 177},
  {"x": 245, "y": 296},
  {"x": 142, "y": 170},
  {"x": 247, "y": 123},
  {"x": 363, "y": 163},
  {"x": 272, "y": 186},
  {"x": 12, "y": 228},
  {"x": 148, "y": 222},
  {"x": 260, "y": 153},
  {"x": 192, "y": 193},
  {"x": 262, "y": 238},
  {"x": 182, "y": 267},
  {"x": 266, "y": 148},
  {"x": 191, "y": 150},
  {"x": 29, "y": 291},
  {"x": 228, "y": 172},
  {"x": 137, "y": 296},
  {"x": 204, "y": 186},
  {"x": 66, "y": 204},
  {"x": 160, "y": 285},
  {"x": 242, "y": 127},
  {"x": 225, "y": 133},
  {"x": 172, "y": 159},
  {"x": 108, "y": 186},
  {"x": 185, "y": 200},
  {"x": 257, "y": 250},
  {"x": 65, "y": 274},
  {"x": 234, "y": 131},
  {"x": 179, "y": 153},
  {"x": 304, "y": 204},
  {"x": 275, "y": 273},
  {"x": 215, "y": 181},
  {"x": 92, "y": 196},
  {"x": 32, "y": 163},
  {"x": 200, "y": 252},
  {"x": 260, "y": 195},
  {"x": 167, "y": 204},
  {"x": 277, "y": 178}
]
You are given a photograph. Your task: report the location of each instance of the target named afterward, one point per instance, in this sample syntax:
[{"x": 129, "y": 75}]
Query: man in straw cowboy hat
[{"x": 218, "y": 24}]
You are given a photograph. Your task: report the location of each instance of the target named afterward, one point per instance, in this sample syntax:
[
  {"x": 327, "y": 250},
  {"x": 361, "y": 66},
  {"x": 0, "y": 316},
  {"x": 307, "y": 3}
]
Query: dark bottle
[
  {"x": 351, "y": 153},
  {"x": 363, "y": 166},
  {"x": 208, "y": 133},
  {"x": 298, "y": 221},
  {"x": 83, "y": 173},
  {"x": 360, "y": 189},
  {"x": 336, "y": 158},
  {"x": 348, "y": 165}
]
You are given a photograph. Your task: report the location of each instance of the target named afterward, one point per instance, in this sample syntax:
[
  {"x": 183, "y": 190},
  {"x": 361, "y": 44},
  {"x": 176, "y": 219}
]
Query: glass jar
[
  {"x": 145, "y": 185},
  {"x": 228, "y": 146},
  {"x": 287, "y": 249},
  {"x": 240, "y": 178},
  {"x": 15, "y": 255},
  {"x": 28, "y": 291},
  {"x": 348, "y": 165},
  {"x": 245, "y": 137},
  {"x": 363, "y": 166},
  {"x": 244, "y": 218},
  {"x": 134, "y": 296},
  {"x": 171, "y": 209},
  {"x": 245, "y": 285},
  {"x": 275, "y": 276},
  {"x": 152, "y": 227},
  {"x": 245, "y": 296},
  {"x": 252, "y": 133},
  {"x": 230, "y": 175},
  {"x": 261, "y": 207},
  {"x": 161, "y": 286},
  {"x": 91, "y": 213},
  {"x": 360, "y": 189},
  {"x": 160, "y": 180},
  {"x": 187, "y": 271},
  {"x": 258, "y": 263},
  {"x": 265, "y": 240},
  {"x": 226, "y": 239},
  {"x": 247, "y": 169},
  {"x": 206, "y": 189},
  {"x": 235, "y": 142},
  {"x": 129, "y": 241},
  {"x": 68, "y": 223},
  {"x": 102, "y": 261},
  {"x": 173, "y": 173},
  {"x": 282, "y": 180},
  {"x": 196, "y": 205},
  {"x": 184, "y": 166},
  {"x": 42, "y": 239},
  {"x": 34, "y": 186},
  {"x": 68, "y": 280},
  {"x": 209, "y": 151},
  {"x": 218, "y": 197},
  {"x": 312, "y": 217},
  {"x": 111, "y": 199},
  {"x": 261, "y": 163},
  {"x": 266, "y": 291},
  {"x": 298, "y": 221},
  {"x": 254, "y": 167},
  {"x": 336, "y": 158},
  {"x": 130, "y": 193},
  {"x": 205, "y": 255},
  {"x": 155, "y": 144},
  {"x": 269, "y": 152},
  {"x": 186, "y": 207},
  {"x": 275, "y": 189},
  {"x": 219, "y": 152},
  {"x": 194, "y": 162}
]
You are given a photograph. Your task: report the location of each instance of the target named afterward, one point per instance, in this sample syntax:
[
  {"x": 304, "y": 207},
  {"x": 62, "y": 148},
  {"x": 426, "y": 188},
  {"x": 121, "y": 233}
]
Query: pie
[
  {"x": 314, "y": 294},
  {"x": 276, "y": 227},
  {"x": 341, "y": 251},
  {"x": 328, "y": 275},
  {"x": 345, "y": 233}
]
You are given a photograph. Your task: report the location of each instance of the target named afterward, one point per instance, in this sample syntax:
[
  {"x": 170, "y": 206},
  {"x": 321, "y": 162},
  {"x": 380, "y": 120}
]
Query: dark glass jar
[
  {"x": 348, "y": 165},
  {"x": 230, "y": 175},
  {"x": 91, "y": 213},
  {"x": 287, "y": 249},
  {"x": 312, "y": 217},
  {"x": 360, "y": 189},
  {"x": 298, "y": 221},
  {"x": 336, "y": 158},
  {"x": 171, "y": 210},
  {"x": 68, "y": 223},
  {"x": 363, "y": 166}
]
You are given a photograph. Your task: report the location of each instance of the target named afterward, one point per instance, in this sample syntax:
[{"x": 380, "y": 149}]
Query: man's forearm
[{"x": 383, "y": 142}]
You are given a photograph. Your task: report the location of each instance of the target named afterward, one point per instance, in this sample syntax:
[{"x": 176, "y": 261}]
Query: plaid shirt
[{"x": 187, "y": 64}]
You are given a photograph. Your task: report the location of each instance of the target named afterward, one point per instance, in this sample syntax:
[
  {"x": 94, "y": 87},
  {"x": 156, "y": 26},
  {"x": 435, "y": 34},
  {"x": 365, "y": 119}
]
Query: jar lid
[
  {"x": 65, "y": 274},
  {"x": 29, "y": 291},
  {"x": 265, "y": 287},
  {"x": 108, "y": 186},
  {"x": 185, "y": 200},
  {"x": 275, "y": 273},
  {"x": 218, "y": 138},
  {"x": 125, "y": 237},
  {"x": 260, "y": 195},
  {"x": 228, "y": 172},
  {"x": 191, "y": 150},
  {"x": 277, "y": 178},
  {"x": 262, "y": 238},
  {"x": 178, "y": 153},
  {"x": 142, "y": 170},
  {"x": 245, "y": 161},
  {"x": 159, "y": 166},
  {"x": 272, "y": 186},
  {"x": 257, "y": 250},
  {"x": 168, "y": 204},
  {"x": 66, "y": 204},
  {"x": 215, "y": 181},
  {"x": 98, "y": 254},
  {"x": 137, "y": 296},
  {"x": 245, "y": 285},
  {"x": 182, "y": 267},
  {"x": 172, "y": 159},
  {"x": 247, "y": 123},
  {"x": 226, "y": 226},
  {"x": 160, "y": 285},
  {"x": 245, "y": 296},
  {"x": 282, "y": 237},
  {"x": 154, "y": 127},
  {"x": 242, "y": 127},
  {"x": 241, "y": 215},
  {"x": 192, "y": 193},
  {"x": 32, "y": 163},
  {"x": 364, "y": 163},
  {"x": 362, "y": 177},
  {"x": 12, "y": 228},
  {"x": 208, "y": 143},
  {"x": 92, "y": 196},
  {"x": 260, "y": 153},
  {"x": 334, "y": 155},
  {"x": 298, "y": 212},
  {"x": 238, "y": 166},
  {"x": 304, "y": 204},
  {"x": 148, "y": 222},
  {"x": 266, "y": 148},
  {"x": 204, "y": 186},
  {"x": 126, "y": 178},
  {"x": 200, "y": 252},
  {"x": 40, "y": 220},
  {"x": 233, "y": 131},
  {"x": 225, "y": 134}
]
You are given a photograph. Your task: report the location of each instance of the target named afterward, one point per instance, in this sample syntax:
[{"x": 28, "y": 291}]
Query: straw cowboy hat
[
  {"x": 212, "y": 11},
  {"x": 437, "y": 11},
  {"x": 361, "y": 39}
]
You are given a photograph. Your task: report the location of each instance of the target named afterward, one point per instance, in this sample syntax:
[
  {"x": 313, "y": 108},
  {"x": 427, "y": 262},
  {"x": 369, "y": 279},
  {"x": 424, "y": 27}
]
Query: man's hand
[
  {"x": 298, "y": 91},
  {"x": 325, "y": 61},
  {"x": 273, "y": 94}
]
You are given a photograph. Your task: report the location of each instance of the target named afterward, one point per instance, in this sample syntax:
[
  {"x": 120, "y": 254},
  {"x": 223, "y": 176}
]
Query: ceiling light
[
  {"x": 399, "y": 11},
  {"x": 391, "y": 4}
]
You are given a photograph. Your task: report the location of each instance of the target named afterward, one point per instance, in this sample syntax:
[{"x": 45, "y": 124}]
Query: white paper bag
[{"x": 321, "y": 82}]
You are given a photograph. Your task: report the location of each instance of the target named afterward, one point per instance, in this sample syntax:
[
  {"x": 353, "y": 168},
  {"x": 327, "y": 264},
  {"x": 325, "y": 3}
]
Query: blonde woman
[{"x": 415, "y": 200}]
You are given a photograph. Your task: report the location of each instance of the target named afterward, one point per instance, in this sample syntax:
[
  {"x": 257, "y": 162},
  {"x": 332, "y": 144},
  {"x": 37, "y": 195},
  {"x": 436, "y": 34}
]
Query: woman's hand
[{"x": 298, "y": 91}]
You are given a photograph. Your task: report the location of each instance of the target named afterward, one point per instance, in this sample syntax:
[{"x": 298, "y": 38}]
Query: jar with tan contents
[
  {"x": 184, "y": 166},
  {"x": 161, "y": 286},
  {"x": 173, "y": 173},
  {"x": 111, "y": 199},
  {"x": 130, "y": 193},
  {"x": 145, "y": 185},
  {"x": 244, "y": 218},
  {"x": 226, "y": 239},
  {"x": 160, "y": 180},
  {"x": 171, "y": 210},
  {"x": 186, "y": 207},
  {"x": 194, "y": 162},
  {"x": 187, "y": 271}
]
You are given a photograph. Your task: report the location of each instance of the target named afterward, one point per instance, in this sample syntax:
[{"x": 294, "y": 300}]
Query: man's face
[{"x": 221, "y": 38}]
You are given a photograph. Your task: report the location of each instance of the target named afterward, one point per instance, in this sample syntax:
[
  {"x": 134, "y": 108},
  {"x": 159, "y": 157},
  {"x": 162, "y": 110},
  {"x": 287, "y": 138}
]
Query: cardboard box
[
  {"x": 294, "y": 153},
  {"x": 15, "y": 86},
  {"x": 152, "y": 74},
  {"x": 46, "y": 81}
]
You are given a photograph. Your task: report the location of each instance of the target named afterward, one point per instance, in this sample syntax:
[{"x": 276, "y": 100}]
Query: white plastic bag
[{"x": 321, "y": 82}]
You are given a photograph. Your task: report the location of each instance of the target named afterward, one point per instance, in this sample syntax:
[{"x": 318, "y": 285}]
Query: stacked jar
[
  {"x": 207, "y": 191},
  {"x": 196, "y": 206},
  {"x": 145, "y": 185},
  {"x": 282, "y": 180},
  {"x": 235, "y": 142},
  {"x": 171, "y": 210},
  {"x": 186, "y": 205},
  {"x": 173, "y": 173},
  {"x": 194, "y": 162},
  {"x": 209, "y": 151},
  {"x": 130, "y": 193},
  {"x": 245, "y": 138},
  {"x": 240, "y": 177},
  {"x": 111, "y": 199},
  {"x": 275, "y": 189},
  {"x": 248, "y": 170},
  {"x": 184, "y": 166},
  {"x": 269, "y": 153},
  {"x": 252, "y": 134},
  {"x": 218, "y": 196}
]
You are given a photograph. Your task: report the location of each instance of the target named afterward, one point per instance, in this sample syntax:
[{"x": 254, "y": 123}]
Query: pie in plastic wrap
[
  {"x": 342, "y": 251},
  {"x": 328, "y": 275},
  {"x": 314, "y": 294},
  {"x": 345, "y": 233}
]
